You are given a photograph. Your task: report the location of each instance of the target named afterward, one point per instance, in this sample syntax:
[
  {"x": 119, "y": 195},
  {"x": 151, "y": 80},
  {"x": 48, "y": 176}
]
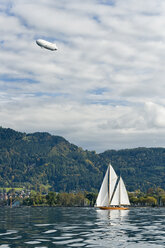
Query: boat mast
[
  {"x": 120, "y": 191},
  {"x": 109, "y": 186}
]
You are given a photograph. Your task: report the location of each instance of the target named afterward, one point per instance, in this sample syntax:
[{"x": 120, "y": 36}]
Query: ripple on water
[
  {"x": 68, "y": 228},
  {"x": 41, "y": 247},
  {"x": 33, "y": 242},
  {"x": 8, "y": 232},
  {"x": 50, "y": 231},
  {"x": 65, "y": 242},
  {"x": 77, "y": 245},
  {"x": 43, "y": 240},
  {"x": 62, "y": 237},
  {"x": 13, "y": 238},
  {"x": 4, "y": 246},
  {"x": 40, "y": 225}
]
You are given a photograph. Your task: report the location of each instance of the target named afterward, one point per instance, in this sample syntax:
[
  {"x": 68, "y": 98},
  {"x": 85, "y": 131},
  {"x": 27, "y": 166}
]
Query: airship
[{"x": 46, "y": 44}]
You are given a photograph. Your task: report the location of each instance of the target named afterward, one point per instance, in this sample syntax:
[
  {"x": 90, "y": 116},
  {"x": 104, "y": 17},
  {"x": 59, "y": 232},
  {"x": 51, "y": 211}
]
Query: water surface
[{"x": 81, "y": 227}]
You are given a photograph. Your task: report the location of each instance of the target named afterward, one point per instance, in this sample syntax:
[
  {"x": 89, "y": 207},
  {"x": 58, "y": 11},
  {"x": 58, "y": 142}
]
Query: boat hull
[{"x": 114, "y": 208}]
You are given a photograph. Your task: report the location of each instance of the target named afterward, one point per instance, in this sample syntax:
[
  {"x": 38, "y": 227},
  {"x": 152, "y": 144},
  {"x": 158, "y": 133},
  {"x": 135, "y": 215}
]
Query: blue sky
[{"x": 104, "y": 87}]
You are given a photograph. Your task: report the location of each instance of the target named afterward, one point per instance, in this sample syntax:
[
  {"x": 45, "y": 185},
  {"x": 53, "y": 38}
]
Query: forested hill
[{"x": 43, "y": 159}]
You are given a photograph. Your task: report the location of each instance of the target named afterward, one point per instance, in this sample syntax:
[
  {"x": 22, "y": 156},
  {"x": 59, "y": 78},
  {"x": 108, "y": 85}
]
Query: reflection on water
[
  {"x": 81, "y": 227},
  {"x": 112, "y": 215}
]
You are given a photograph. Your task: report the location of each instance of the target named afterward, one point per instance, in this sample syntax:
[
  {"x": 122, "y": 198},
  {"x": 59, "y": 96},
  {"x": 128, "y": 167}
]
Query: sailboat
[{"x": 113, "y": 193}]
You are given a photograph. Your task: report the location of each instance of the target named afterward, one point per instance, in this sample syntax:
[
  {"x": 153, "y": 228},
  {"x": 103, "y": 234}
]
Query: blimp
[{"x": 46, "y": 44}]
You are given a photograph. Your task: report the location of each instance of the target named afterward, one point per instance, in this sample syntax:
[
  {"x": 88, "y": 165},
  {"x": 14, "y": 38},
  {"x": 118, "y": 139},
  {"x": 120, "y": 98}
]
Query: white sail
[
  {"x": 112, "y": 181},
  {"x": 102, "y": 199},
  {"x": 113, "y": 191},
  {"x": 124, "y": 200},
  {"x": 120, "y": 196},
  {"x": 116, "y": 196}
]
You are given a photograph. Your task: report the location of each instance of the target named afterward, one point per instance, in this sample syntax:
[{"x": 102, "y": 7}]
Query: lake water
[{"x": 81, "y": 227}]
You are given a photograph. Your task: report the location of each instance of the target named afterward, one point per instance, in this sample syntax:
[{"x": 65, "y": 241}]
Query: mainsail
[
  {"x": 112, "y": 181},
  {"x": 113, "y": 191}
]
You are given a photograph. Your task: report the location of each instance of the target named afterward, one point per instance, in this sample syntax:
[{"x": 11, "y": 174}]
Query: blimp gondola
[{"x": 46, "y": 44}]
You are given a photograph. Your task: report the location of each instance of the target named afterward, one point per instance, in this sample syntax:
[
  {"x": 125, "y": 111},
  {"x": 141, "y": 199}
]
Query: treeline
[
  {"x": 79, "y": 199},
  {"x": 153, "y": 197}
]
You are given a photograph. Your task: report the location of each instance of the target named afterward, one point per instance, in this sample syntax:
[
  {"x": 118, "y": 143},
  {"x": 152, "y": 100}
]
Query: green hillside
[
  {"x": 43, "y": 159},
  {"x": 141, "y": 168}
]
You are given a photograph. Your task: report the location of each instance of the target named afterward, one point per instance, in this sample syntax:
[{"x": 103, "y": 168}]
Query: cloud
[{"x": 103, "y": 88}]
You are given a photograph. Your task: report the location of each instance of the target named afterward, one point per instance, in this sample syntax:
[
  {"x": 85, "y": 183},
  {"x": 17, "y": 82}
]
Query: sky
[{"x": 104, "y": 87}]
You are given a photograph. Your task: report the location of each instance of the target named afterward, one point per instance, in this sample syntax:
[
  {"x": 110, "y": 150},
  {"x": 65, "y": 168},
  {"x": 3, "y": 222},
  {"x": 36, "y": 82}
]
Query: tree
[
  {"x": 91, "y": 197},
  {"x": 151, "y": 201},
  {"x": 163, "y": 200},
  {"x": 51, "y": 198},
  {"x": 134, "y": 200}
]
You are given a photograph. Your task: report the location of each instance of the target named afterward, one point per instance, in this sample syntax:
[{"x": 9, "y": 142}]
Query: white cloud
[{"x": 103, "y": 88}]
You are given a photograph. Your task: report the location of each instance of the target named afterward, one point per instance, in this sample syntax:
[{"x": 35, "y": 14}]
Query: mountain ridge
[{"x": 40, "y": 158}]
